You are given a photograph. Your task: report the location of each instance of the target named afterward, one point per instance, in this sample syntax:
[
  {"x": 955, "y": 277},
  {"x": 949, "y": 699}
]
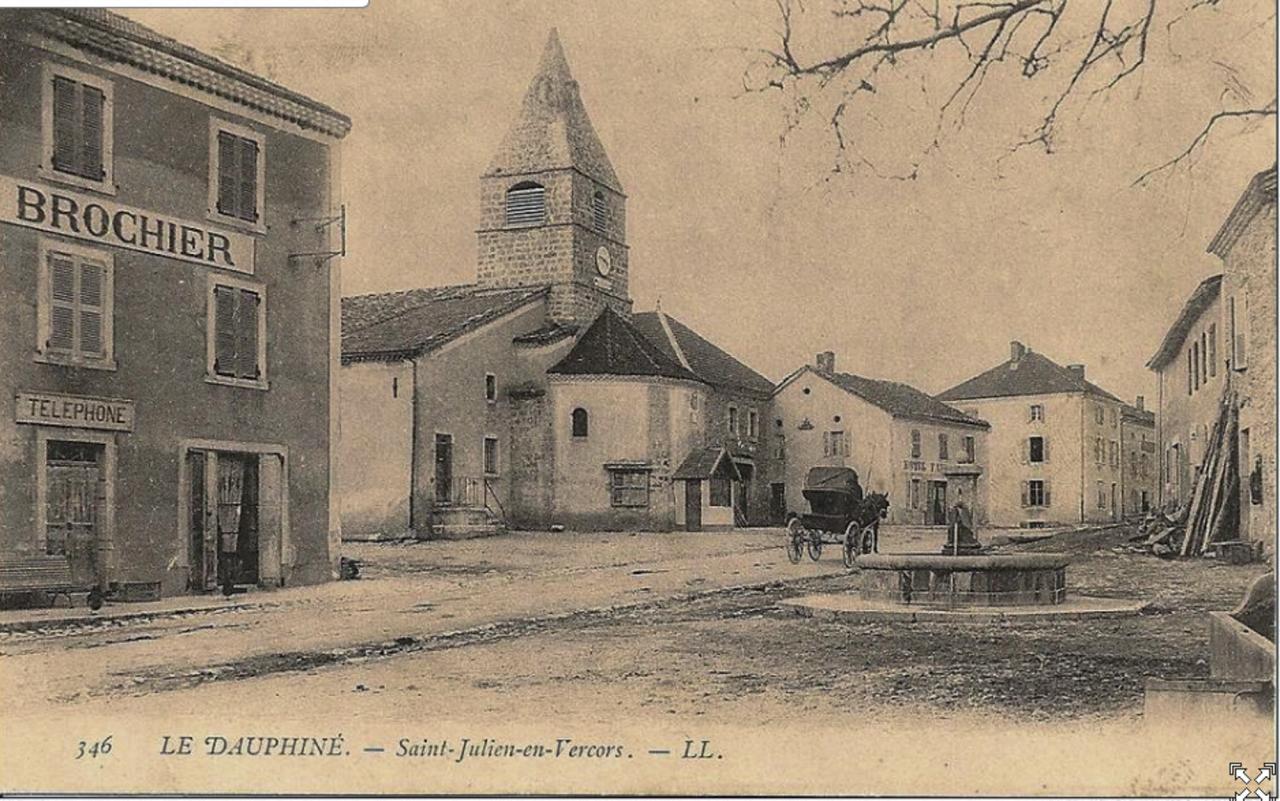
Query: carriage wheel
[
  {"x": 851, "y": 542},
  {"x": 869, "y": 540},
  {"x": 815, "y": 545},
  {"x": 795, "y": 540}
]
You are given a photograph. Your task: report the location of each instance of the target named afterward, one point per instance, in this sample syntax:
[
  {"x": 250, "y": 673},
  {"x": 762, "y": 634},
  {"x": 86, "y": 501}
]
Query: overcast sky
[{"x": 923, "y": 281}]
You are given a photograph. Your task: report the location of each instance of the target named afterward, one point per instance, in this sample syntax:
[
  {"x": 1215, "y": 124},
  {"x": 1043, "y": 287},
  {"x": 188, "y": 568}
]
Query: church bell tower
[{"x": 553, "y": 212}]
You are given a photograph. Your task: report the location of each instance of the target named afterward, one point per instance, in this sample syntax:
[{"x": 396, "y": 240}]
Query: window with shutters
[
  {"x": 526, "y": 204},
  {"x": 77, "y": 129},
  {"x": 236, "y": 333},
  {"x": 237, "y": 172},
  {"x": 1036, "y": 449},
  {"x": 1035, "y": 493},
  {"x": 970, "y": 451},
  {"x": 1213, "y": 350},
  {"x": 74, "y": 315},
  {"x": 944, "y": 449},
  {"x": 915, "y": 444}
]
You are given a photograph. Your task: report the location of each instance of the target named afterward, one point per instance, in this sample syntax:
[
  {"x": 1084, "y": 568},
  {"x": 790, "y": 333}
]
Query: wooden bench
[{"x": 50, "y": 574}]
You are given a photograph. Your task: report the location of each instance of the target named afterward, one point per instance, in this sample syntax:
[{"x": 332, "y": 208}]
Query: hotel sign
[
  {"x": 105, "y": 222},
  {"x": 73, "y": 411}
]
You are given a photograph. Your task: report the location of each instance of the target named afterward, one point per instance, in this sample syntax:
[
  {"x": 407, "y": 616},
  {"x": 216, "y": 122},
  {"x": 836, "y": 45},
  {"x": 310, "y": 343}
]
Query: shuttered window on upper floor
[
  {"x": 237, "y": 321},
  {"x": 237, "y": 176},
  {"x": 77, "y": 307},
  {"x": 526, "y": 204},
  {"x": 79, "y": 129}
]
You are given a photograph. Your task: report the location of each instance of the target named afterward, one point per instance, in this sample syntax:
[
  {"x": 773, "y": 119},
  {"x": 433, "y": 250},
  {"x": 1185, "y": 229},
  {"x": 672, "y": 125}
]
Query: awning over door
[{"x": 703, "y": 463}]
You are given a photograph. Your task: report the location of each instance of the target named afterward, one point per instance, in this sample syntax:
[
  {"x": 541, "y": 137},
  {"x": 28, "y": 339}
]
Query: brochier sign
[
  {"x": 99, "y": 220},
  {"x": 75, "y": 411}
]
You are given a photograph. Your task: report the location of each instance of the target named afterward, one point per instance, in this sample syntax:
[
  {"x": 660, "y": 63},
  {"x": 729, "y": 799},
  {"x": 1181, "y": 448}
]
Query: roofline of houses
[
  {"x": 975, "y": 423},
  {"x": 1260, "y": 193},
  {"x": 166, "y": 57},
  {"x": 1204, "y": 294}
]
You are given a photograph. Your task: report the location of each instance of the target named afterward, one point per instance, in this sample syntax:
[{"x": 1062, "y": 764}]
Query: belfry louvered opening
[{"x": 526, "y": 204}]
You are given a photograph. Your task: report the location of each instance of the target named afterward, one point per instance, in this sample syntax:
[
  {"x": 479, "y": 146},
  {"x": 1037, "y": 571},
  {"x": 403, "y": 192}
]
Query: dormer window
[
  {"x": 599, "y": 211},
  {"x": 526, "y": 204}
]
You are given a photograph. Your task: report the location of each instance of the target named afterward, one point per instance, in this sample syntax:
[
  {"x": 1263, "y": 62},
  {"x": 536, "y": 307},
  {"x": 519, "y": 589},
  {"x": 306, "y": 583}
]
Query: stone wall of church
[{"x": 532, "y": 450}]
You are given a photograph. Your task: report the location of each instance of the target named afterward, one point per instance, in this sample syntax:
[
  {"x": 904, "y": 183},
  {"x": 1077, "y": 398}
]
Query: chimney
[
  {"x": 825, "y": 362},
  {"x": 1016, "y": 351},
  {"x": 1141, "y": 403},
  {"x": 1077, "y": 370}
]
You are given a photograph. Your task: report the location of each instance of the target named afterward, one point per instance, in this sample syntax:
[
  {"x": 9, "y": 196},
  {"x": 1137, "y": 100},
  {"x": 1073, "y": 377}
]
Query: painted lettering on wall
[
  {"x": 74, "y": 411},
  {"x": 102, "y": 221}
]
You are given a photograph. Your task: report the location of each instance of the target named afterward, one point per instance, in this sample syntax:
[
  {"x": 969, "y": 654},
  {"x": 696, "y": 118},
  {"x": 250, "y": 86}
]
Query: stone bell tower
[{"x": 552, "y": 211}]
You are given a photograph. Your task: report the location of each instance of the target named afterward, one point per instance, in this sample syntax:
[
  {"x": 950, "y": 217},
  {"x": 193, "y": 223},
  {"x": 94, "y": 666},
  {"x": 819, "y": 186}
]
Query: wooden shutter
[
  {"x": 228, "y": 174},
  {"x": 92, "y": 281},
  {"x": 224, "y": 330},
  {"x": 62, "y": 303},
  {"x": 91, "y": 129},
  {"x": 248, "y": 206},
  {"x": 1046, "y": 494},
  {"x": 1026, "y": 493},
  {"x": 1044, "y": 449},
  {"x": 247, "y": 335},
  {"x": 66, "y": 125}
]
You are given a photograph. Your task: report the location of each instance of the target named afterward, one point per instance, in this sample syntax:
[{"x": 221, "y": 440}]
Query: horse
[{"x": 873, "y": 508}]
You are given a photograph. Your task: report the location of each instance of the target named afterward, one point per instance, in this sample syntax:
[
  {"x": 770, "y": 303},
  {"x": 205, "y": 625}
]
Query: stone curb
[{"x": 812, "y": 608}]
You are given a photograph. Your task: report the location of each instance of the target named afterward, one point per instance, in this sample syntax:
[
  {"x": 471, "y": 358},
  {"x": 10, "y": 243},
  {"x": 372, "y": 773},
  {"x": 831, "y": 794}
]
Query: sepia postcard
[{"x": 688, "y": 397}]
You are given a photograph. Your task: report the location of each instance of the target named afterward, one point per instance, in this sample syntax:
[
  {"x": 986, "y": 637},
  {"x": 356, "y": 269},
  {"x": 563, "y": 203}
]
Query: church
[{"x": 537, "y": 397}]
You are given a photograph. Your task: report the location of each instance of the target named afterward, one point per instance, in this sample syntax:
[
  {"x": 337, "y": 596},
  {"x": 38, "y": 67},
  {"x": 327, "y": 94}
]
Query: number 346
[{"x": 94, "y": 749}]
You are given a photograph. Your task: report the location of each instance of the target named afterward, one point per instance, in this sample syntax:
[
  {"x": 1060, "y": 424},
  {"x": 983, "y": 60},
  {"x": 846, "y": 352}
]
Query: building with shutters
[
  {"x": 534, "y": 396},
  {"x": 170, "y": 345},
  {"x": 1220, "y": 349},
  {"x": 921, "y": 452},
  {"x": 1055, "y": 447}
]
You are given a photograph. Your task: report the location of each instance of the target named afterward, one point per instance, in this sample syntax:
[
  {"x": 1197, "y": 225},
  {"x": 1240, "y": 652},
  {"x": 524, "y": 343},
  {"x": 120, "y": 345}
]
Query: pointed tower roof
[
  {"x": 553, "y": 130},
  {"x": 613, "y": 346}
]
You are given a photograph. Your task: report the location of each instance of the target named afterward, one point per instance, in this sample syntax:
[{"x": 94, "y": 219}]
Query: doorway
[
  {"x": 234, "y": 519},
  {"x": 75, "y": 487},
  {"x": 444, "y": 468},
  {"x": 693, "y": 505},
  {"x": 936, "y": 503},
  {"x": 778, "y": 504}
]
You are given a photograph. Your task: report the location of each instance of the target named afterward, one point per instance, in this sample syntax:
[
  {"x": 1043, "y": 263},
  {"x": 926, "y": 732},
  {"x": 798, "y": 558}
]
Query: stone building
[
  {"x": 1054, "y": 451},
  {"x": 920, "y": 451},
  {"x": 171, "y": 325},
  {"x": 1191, "y": 378},
  {"x": 534, "y": 397},
  {"x": 1140, "y": 452},
  {"x": 1246, "y": 243}
]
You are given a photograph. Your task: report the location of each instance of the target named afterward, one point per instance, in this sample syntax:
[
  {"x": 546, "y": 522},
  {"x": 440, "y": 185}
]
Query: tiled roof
[
  {"x": 393, "y": 325},
  {"x": 901, "y": 400},
  {"x": 708, "y": 361},
  {"x": 1201, "y": 299},
  {"x": 553, "y": 130},
  {"x": 1260, "y": 192},
  {"x": 613, "y": 346},
  {"x": 704, "y": 463},
  {"x": 552, "y": 332},
  {"x": 1033, "y": 374},
  {"x": 116, "y": 38}
]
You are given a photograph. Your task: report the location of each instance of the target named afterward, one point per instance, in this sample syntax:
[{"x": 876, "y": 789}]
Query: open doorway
[{"x": 235, "y": 519}]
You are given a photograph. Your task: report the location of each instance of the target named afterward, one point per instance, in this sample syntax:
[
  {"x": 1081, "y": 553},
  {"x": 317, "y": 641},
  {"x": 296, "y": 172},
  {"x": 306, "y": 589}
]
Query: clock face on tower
[{"x": 604, "y": 262}]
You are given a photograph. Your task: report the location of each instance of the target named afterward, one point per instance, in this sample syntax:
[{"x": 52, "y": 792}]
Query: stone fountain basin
[{"x": 939, "y": 580}]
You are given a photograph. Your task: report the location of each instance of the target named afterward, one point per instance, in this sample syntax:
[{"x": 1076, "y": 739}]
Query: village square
[{"x": 564, "y": 499}]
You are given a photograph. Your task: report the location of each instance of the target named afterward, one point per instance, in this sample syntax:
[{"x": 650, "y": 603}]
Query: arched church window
[
  {"x": 579, "y": 422},
  {"x": 599, "y": 211},
  {"x": 526, "y": 204}
]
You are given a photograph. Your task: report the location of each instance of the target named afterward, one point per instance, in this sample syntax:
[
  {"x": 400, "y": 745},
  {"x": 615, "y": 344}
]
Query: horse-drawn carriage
[{"x": 839, "y": 514}]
